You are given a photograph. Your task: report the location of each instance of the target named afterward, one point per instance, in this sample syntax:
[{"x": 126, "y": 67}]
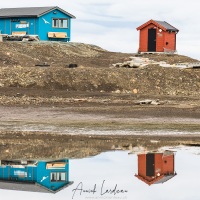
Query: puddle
[
  {"x": 87, "y": 130},
  {"x": 167, "y": 173}
]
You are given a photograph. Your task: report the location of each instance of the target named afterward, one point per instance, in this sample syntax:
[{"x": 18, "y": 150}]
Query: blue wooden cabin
[
  {"x": 35, "y": 176},
  {"x": 49, "y": 23}
]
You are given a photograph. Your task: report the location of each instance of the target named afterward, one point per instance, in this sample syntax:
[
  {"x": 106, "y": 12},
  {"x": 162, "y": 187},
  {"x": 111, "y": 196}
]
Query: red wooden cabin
[
  {"x": 157, "y": 36},
  {"x": 154, "y": 168}
]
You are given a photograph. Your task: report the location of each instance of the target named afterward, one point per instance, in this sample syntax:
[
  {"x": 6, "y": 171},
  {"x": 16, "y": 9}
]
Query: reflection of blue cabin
[
  {"x": 49, "y": 23},
  {"x": 39, "y": 176}
]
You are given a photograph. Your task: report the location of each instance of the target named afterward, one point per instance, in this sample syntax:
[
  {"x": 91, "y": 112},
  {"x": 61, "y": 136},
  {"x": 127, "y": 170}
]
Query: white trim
[{"x": 59, "y": 22}]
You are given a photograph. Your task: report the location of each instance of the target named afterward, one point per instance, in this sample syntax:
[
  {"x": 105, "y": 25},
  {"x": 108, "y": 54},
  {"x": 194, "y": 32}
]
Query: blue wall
[
  {"x": 45, "y": 28},
  {"x": 31, "y": 28},
  {"x": 37, "y": 173},
  {"x": 43, "y": 172},
  {"x": 37, "y": 26}
]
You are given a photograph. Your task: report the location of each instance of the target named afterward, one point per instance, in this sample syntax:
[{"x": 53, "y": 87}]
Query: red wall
[
  {"x": 163, "y": 165},
  {"x": 142, "y": 165},
  {"x": 171, "y": 39},
  {"x": 143, "y": 44},
  {"x": 161, "y": 39},
  {"x": 168, "y": 166}
]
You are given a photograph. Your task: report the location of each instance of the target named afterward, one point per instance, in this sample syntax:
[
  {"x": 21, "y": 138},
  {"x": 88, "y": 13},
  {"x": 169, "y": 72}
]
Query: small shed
[
  {"x": 154, "y": 168},
  {"x": 157, "y": 36},
  {"x": 49, "y": 23}
]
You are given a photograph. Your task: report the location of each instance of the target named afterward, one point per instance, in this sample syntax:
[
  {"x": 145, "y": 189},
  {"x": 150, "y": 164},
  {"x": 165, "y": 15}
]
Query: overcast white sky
[{"x": 112, "y": 24}]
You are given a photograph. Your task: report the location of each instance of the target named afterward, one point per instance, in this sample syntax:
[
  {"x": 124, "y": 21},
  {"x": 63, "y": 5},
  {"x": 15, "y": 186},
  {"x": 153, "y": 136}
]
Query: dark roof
[
  {"x": 29, "y": 12},
  {"x": 31, "y": 187},
  {"x": 156, "y": 180},
  {"x": 165, "y": 178},
  {"x": 161, "y": 24},
  {"x": 167, "y": 26}
]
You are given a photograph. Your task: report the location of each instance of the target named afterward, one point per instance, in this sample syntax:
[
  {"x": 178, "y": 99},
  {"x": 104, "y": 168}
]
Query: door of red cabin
[
  {"x": 150, "y": 164},
  {"x": 152, "y": 40}
]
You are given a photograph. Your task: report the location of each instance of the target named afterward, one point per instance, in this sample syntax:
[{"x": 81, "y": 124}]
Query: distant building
[
  {"x": 157, "y": 36},
  {"x": 154, "y": 168},
  {"x": 49, "y": 23},
  {"x": 34, "y": 176}
]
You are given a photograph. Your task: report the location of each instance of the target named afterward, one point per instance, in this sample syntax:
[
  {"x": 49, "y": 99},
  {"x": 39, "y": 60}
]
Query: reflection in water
[
  {"x": 154, "y": 168},
  {"x": 34, "y": 176},
  {"x": 109, "y": 171}
]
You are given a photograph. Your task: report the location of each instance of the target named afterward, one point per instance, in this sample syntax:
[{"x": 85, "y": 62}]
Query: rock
[
  {"x": 72, "y": 65},
  {"x": 44, "y": 64},
  {"x": 135, "y": 91},
  {"x": 118, "y": 65},
  {"x": 117, "y": 91},
  {"x": 154, "y": 141},
  {"x": 155, "y": 103},
  {"x": 142, "y": 62},
  {"x": 133, "y": 64},
  {"x": 148, "y": 102}
]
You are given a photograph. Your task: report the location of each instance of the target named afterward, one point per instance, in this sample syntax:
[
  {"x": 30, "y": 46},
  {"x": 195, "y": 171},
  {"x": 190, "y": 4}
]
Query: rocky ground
[
  {"x": 95, "y": 94},
  {"x": 56, "y": 54},
  {"x": 94, "y": 74}
]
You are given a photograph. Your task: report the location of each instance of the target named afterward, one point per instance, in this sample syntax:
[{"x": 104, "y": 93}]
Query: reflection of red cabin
[
  {"x": 157, "y": 36},
  {"x": 156, "y": 168}
]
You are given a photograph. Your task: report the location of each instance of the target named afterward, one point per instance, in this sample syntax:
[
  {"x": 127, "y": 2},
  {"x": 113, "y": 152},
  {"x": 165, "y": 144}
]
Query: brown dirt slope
[
  {"x": 94, "y": 74},
  {"x": 28, "y": 54},
  {"x": 57, "y": 54}
]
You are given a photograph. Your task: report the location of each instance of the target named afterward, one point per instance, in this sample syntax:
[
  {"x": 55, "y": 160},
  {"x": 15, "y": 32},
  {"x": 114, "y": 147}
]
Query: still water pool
[{"x": 158, "y": 175}]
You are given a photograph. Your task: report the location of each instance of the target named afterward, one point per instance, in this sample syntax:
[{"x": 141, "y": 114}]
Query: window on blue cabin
[
  {"x": 58, "y": 176},
  {"x": 55, "y": 22},
  {"x": 60, "y": 23},
  {"x": 53, "y": 177}
]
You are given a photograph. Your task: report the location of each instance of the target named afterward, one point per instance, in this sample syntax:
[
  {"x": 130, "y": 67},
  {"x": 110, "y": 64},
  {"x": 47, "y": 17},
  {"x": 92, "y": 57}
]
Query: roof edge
[
  {"x": 156, "y": 23},
  {"x": 149, "y": 182},
  {"x": 49, "y": 9},
  {"x": 52, "y": 191},
  {"x": 58, "y": 8},
  {"x": 12, "y": 16},
  {"x": 172, "y": 26},
  {"x": 149, "y": 22}
]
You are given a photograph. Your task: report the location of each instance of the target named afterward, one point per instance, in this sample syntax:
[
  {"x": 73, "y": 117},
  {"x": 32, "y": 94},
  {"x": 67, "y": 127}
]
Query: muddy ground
[
  {"x": 80, "y": 129},
  {"x": 94, "y": 96}
]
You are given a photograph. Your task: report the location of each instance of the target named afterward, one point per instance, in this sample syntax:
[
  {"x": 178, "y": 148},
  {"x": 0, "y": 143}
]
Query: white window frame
[
  {"x": 58, "y": 24},
  {"x": 57, "y": 176}
]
